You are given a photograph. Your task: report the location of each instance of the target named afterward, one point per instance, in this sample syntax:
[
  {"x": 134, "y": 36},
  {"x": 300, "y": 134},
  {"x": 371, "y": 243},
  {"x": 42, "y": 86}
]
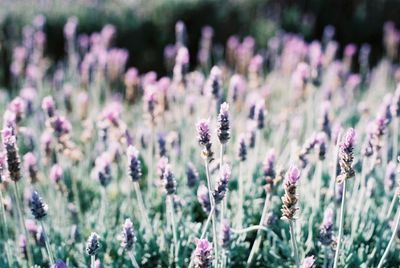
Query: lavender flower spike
[
  {"x": 346, "y": 156},
  {"x": 93, "y": 244},
  {"x": 326, "y": 229},
  {"x": 37, "y": 206},
  {"x": 308, "y": 262},
  {"x": 290, "y": 199},
  {"x": 135, "y": 171},
  {"x": 128, "y": 235},
  {"x": 169, "y": 181},
  {"x": 223, "y": 123},
  {"x": 59, "y": 264},
  {"x": 203, "y": 254},
  {"x": 204, "y": 138},
  {"x": 222, "y": 184}
]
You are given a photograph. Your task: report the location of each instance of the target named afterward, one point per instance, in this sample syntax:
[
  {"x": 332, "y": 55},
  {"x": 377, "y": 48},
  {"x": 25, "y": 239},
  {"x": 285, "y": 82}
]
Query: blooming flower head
[
  {"x": 349, "y": 140},
  {"x": 93, "y": 244},
  {"x": 308, "y": 262},
  {"x": 37, "y": 206},
  {"x": 203, "y": 132},
  {"x": 128, "y": 237},
  {"x": 135, "y": 170},
  {"x": 48, "y": 105},
  {"x": 56, "y": 173},
  {"x": 293, "y": 175},
  {"x": 203, "y": 254}
]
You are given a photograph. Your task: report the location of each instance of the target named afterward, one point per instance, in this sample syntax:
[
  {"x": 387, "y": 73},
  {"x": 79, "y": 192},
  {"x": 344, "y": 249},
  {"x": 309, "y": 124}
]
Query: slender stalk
[
  {"x": 46, "y": 240},
  {"x": 205, "y": 227},
  {"x": 222, "y": 212},
  {"x": 102, "y": 207},
  {"x": 257, "y": 243},
  {"x": 151, "y": 159},
  {"x": 170, "y": 205},
  {"x": 250, "y": 229},
  {"x": 392, "y": 203},
  {"x": 339, "y": 243},
  {"x": 325, "y": 257},
  {"x": 390, "y": 241},
  {"x": 293, "y": 236},
  {"x": 92, "y": 261},
  {"x": 215, "y": 238},
  {"x": 133, "y": 260},
  {"x": 23, "y": 227},
  {"x": 5, "y": 225},
  {"x": 241, "y": 194},
  {"x": 142, "y": 208},
  {"x": 395, "y": 138}
]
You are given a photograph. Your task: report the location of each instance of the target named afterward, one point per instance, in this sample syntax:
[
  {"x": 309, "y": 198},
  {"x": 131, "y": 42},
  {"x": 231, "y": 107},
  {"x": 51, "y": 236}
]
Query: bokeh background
[{"x": 146, "y": 27}]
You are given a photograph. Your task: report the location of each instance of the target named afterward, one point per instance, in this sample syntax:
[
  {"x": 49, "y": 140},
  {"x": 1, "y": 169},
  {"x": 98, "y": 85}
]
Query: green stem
[
  {"x": 133, "y": 260},
  {"x": 392, "y": 203},
  {"x": 241, "y": 194},
  {"x": 215, "y": 238},
  {"x": 295, "y": 249},
  {"x": 46, "y": 241},
  {"x": 23, "y": 227},
  {"x": 250, "y": 229},
  {"x": 172, "y": 220},
  {"x": 335, "y": 263},
  {"x": 3, "y": 212},
  {"x": 390, "y": 242},
  {"x": 205, "y": 227},
  {"x": 142, "y": 208},
  {"x": 92, "y": 261},
  {"x": 257, "y": 243}
]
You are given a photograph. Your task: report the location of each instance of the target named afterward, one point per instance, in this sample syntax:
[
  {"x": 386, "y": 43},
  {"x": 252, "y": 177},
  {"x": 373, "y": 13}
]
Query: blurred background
[{"x": 145, "y": 28}]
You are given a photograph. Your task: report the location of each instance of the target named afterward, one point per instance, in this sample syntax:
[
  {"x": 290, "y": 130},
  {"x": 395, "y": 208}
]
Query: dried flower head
[
  {"x": 290, "y": 199},
  {"x": 346, "y": 156},
  {"x": 13, "y": 161}
]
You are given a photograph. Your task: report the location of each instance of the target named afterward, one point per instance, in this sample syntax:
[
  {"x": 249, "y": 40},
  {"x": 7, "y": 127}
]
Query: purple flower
[
  {"x": 56, "y": 173},
  {"x": 37, "y": 206},
  {"x": 203, "y": 132},
  {"x": 293, "y": 175},
  {"x": 48, "y": 106},
  {"x": 349, "y": 140},
  {"x": 203, "y": 254},
  {"x": 223, "y": 131},
  {"x": 191, "y": 174},
  {"x": 93, "y": 244},
  {"x": 59, "y": 264},
  {"x": 128, "y": 237},
  {"x": 308, "y": 262},
  {"x": 169, "y": 181},
  {"x": 222, "y": 184},
  {"x": 390, "y": 177},
  {"x": 204, "y": 198},
  {"x": 226, "y": 234},
  {"x": 135, "y": 171}
]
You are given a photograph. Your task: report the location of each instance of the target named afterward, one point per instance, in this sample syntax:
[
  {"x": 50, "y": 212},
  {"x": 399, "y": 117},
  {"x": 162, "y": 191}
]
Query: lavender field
[{"x": 281, "y": 156}]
